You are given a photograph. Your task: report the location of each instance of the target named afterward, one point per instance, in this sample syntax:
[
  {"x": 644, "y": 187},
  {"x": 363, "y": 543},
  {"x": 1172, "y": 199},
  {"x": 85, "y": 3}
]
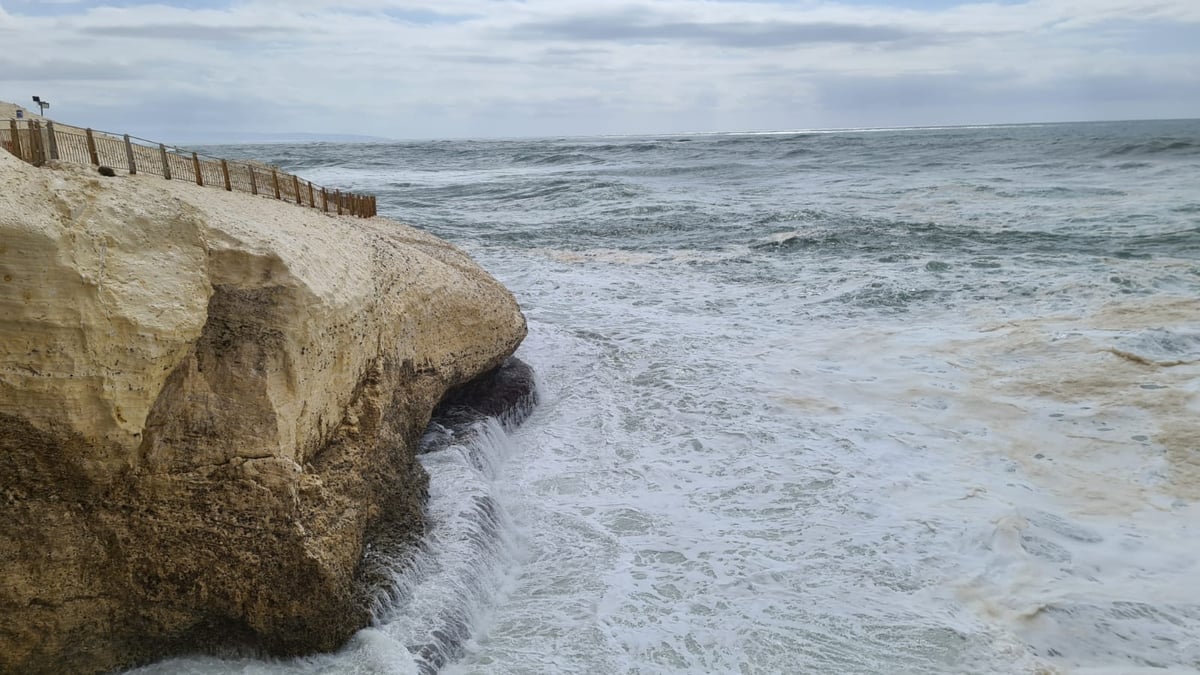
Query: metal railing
[{"x": 38, "y": 143}]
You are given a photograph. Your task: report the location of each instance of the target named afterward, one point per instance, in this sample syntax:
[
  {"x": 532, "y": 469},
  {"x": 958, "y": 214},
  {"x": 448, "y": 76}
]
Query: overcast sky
[{"x": 488, "y": 68}]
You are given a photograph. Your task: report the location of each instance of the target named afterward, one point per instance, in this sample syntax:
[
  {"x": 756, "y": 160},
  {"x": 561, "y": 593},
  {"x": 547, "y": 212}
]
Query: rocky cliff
[{"x": 208, "y": 408}]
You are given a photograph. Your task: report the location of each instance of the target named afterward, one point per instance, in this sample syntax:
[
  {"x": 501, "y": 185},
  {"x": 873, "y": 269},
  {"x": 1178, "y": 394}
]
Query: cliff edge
[{"x": 209, "y": 404}]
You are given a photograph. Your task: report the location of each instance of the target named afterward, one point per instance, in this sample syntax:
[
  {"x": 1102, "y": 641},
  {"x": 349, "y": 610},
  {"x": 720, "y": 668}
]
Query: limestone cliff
[{"x": 208, "y": 408}]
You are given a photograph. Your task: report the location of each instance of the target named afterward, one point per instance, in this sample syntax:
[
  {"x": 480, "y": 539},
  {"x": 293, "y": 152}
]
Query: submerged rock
[{"x": 209, "y": 406}]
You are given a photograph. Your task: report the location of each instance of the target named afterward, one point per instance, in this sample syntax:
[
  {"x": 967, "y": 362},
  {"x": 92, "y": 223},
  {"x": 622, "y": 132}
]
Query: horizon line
[
  {"x": 281, "y": 138},
  {"x": 744, "y": 132}
]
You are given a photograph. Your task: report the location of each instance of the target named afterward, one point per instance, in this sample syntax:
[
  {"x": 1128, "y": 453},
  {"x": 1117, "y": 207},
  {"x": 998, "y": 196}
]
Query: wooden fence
[{"x": 37, "y": 143}]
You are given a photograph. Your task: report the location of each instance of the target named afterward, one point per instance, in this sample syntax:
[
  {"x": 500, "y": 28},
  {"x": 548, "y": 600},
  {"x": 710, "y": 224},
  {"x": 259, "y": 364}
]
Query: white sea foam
[{"x": 719, "y": 481}]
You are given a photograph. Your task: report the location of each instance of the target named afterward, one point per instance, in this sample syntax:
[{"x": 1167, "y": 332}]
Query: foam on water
[
  {"x": 858, "y": 403},
  {"x": 715, "y": 488},
  {"x": 443, "y": 589}
]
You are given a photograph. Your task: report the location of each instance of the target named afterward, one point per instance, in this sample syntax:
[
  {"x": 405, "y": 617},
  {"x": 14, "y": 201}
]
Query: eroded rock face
[
  {"x": 509, "y": 394},
  {"x": 208, "y": 405}
]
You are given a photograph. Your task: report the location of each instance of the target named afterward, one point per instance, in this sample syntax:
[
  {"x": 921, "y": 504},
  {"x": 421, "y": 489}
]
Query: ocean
[{"x": 863, "y": 401}]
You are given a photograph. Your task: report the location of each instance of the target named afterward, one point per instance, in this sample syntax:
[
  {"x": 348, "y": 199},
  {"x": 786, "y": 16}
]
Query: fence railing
[{"x": 38, "y": 143}]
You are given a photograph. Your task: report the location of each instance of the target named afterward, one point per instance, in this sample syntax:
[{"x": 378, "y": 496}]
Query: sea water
[{"x": 872, "y": 401}]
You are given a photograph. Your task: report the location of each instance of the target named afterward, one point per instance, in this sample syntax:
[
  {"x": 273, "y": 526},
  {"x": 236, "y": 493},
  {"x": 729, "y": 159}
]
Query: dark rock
[
  {"x": 508, "y": 393},
  {"x": 106, "y": 171}
]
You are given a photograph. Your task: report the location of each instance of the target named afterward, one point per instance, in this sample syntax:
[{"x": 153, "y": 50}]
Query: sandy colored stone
[
  {"x": 8, "y": 111},
  {"x": 208, "y": 406}
]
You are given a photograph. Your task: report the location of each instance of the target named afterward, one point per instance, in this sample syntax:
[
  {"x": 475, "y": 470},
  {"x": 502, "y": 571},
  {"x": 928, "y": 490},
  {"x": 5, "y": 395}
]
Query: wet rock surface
[{"x": 508, "y": 393}]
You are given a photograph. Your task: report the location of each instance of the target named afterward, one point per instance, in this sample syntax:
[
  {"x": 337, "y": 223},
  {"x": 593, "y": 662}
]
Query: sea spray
[
  {"x": 469, "y": 549},
  {"x": 440, "y": 590}
]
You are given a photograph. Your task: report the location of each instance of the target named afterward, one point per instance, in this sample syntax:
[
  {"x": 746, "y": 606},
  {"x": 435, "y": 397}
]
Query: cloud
[
  {"x": 22, "y": 70},
  {"x": 642, "y": 27},
  {"x": 419, "y": 68},
  {"x": 184, "y": 31},
  {"x": 994, "y": 96}
]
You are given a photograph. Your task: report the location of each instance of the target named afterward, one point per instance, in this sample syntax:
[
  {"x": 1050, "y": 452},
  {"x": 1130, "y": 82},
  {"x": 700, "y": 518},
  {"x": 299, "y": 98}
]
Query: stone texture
[{"x": 209, "y": 404}]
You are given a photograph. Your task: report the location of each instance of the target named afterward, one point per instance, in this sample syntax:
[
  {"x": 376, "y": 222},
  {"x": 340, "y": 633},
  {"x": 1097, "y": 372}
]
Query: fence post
[
  {"x": 296, "y": 187},
  {"x": 225, "y": 173},
  {"x": 162, "y": 152},
  {"x": 129, "y": 156},
  {"x": 12, "y": 124},
  {"x": 311, "y": 201},
  {"x": 31, "y": 127},
  {"x": 93, "y": 156},
  {"x": 337, "y": 198},
  {"x": 31, "y": 138},
  {"x": 41, "y": 144},
  {"x": 52, "y": 141},
  {"x": 275, "y": 182},
  {"x": 253, "y": 183},
  {"x": 36, "y": 151},
  {"x": 196, "y": 168},
  {"x": 324, "y": 200}
]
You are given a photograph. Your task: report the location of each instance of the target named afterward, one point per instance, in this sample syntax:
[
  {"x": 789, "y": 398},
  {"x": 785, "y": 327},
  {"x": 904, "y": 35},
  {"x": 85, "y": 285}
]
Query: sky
[{"x": 199, "y": 69}]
